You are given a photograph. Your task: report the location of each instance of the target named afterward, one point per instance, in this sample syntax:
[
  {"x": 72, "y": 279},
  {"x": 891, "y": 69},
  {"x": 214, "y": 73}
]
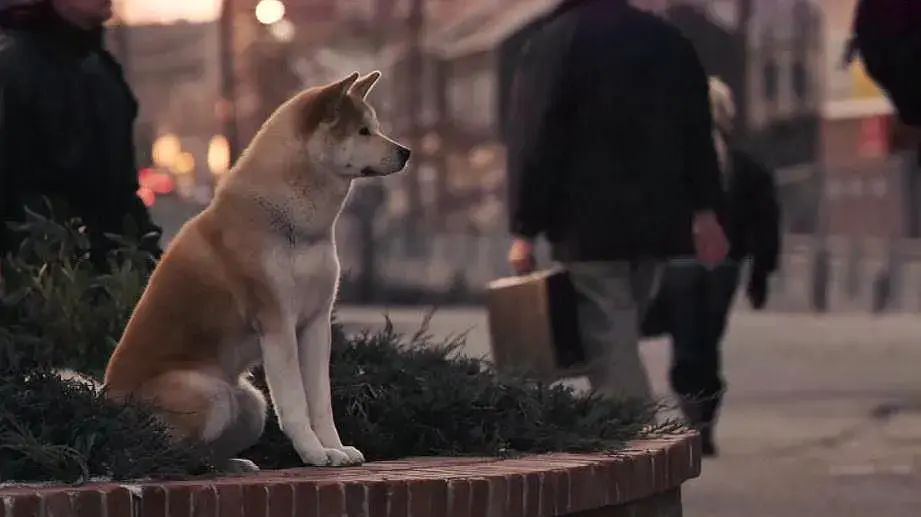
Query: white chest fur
[{"x": 303, "y": 278}]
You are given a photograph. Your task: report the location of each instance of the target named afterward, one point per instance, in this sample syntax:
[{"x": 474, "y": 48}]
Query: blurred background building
[{"x": 208, "y": 72}]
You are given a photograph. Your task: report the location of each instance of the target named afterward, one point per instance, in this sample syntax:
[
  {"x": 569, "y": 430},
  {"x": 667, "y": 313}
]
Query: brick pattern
[
  {"x": 545, "y": 485},
  {"x": 666, "y": 504}
]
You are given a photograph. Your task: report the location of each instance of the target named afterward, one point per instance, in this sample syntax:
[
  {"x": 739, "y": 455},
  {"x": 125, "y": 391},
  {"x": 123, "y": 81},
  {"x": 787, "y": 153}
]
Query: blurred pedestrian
[
  {"x": 611, "y": 159},
  {"x": 66, "y": 118},
  {"x": 887, "y": 35},
  {"x": 695, "y": 299}
]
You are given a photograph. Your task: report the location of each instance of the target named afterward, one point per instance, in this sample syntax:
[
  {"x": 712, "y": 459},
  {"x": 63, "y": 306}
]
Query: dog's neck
[{"x": 301, "y": 208}]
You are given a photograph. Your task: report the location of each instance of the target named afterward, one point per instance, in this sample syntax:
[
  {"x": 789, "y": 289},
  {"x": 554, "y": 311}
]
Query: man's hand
[
  {"x": 521, "y": 256},
  {"x": 757, "y": 290},
  {"x": 709, "y": 239}
]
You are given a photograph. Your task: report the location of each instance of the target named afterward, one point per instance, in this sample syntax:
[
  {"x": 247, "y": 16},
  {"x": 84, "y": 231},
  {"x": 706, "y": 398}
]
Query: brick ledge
[{"x": 543, "y": 485}]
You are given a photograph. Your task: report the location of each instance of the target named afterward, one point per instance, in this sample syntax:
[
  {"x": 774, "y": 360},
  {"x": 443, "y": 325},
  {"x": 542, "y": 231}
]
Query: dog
[{"x": 252, "y": 280}]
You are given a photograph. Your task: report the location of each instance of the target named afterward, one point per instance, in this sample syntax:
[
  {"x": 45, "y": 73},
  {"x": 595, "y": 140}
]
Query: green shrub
[
  {"x": 52, "y": 429},
  {"x": 56, "y": 309},
  {"x": 393, "y": 396}
]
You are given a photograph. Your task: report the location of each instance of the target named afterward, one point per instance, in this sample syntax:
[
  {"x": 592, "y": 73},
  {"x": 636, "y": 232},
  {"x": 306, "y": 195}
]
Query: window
[
  {"x": 770, "y": 79},
  {"x": 484, "y": 94},
  {"x": 800, "y": 81},
  {"x": 459, "y": 98},
  {"x": 429, "y": 84}
]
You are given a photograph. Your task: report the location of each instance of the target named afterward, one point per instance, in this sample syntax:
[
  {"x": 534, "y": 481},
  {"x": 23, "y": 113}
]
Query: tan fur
[{"x": 252, "y": 280}]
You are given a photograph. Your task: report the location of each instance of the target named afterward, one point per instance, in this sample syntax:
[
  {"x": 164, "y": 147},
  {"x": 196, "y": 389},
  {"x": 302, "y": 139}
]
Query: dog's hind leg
[
  {"x": 243, "y": 431},
  {"x": 226, "y": 418}
]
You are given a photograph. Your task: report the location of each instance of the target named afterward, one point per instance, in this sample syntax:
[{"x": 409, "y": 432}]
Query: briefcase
[{"x": 533, "y": 322}]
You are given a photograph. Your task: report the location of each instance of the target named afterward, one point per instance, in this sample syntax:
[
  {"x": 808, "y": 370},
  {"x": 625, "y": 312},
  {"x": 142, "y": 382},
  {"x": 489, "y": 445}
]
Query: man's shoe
[
  {"x": 701, "y": 416},
  {"x": 708, "y": 447}
]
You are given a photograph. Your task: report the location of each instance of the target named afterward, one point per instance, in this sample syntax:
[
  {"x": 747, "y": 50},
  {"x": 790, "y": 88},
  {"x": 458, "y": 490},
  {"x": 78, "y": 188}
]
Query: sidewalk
[{"x": 823, "y": 416}]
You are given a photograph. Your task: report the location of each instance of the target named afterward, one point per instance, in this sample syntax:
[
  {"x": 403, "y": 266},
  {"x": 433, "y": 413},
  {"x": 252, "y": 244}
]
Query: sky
[{"x": 166, "y": 11}]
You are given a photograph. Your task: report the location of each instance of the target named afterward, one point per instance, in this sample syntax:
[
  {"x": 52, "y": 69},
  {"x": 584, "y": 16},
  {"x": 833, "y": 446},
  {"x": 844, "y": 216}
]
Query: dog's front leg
[
  {"x": 280, "y": 362},
  {"x": 315, "y": 342}
]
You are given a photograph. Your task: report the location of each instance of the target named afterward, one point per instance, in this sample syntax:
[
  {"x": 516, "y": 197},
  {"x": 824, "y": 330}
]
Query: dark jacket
[
  {"x": 609, "y": 135},
  {"x": 888, "y": 36},
  {"x": 66, "y": 118},
  {"x": 752, "y": 215}
]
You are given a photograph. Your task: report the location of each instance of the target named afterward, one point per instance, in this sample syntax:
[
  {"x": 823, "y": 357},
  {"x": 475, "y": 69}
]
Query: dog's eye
[{"x": 364, "y": 131}]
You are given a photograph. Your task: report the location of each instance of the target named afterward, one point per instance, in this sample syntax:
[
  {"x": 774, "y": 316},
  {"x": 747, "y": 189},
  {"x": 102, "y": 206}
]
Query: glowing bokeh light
[
  {"x": 270, "y": 11},
  {"x": 218, "y": 155}
]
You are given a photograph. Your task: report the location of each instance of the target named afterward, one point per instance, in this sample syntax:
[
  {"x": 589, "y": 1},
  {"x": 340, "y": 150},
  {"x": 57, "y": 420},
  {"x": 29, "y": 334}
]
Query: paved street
[{"x": 823, "y": 416}]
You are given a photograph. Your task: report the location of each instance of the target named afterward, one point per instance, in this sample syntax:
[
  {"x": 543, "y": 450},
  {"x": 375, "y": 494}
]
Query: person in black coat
[
  {"x": 66, "y": 118},
  {"x": 610, "y": 158},
  {"x": 695, "y": 299},
  {"x": 887, "y": 35}
]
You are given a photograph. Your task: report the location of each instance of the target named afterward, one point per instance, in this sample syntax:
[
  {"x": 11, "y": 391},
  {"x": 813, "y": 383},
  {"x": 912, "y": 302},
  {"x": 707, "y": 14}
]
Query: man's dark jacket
[
  {"x": 66, "y": 118},
  {"x": 888, "y": 36},
  {"x": 609, "y": 134}
]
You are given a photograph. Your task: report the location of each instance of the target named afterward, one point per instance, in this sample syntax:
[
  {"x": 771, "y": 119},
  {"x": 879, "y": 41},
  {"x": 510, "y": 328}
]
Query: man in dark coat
[
  {"x": 887, "y": 34},
  {"x": 611, "y": 159},
  {"x": 66, "y": 117}
]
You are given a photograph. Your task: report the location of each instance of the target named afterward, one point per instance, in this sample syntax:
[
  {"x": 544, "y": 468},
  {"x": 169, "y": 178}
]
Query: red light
[
  {"x": 163, "y": 184},
  {"x": 147, "y": 196},
  {"x": 157, "y": 182}
]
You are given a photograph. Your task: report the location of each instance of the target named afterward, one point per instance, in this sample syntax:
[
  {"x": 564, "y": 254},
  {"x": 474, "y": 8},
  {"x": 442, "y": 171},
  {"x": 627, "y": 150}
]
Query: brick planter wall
[{"x": 642, "y": 481}]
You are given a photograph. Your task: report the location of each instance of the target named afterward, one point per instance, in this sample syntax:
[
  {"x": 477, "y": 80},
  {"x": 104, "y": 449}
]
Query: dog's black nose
[{"x": 405, "y": 154}]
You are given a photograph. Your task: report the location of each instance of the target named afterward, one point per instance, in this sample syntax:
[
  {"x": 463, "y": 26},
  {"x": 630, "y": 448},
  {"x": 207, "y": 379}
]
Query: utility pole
[
  {"x": 821, "y": 257},
  {"x": 228, "y": 111},
  {"x": 743, "y": 36},
  {"x": 370, "y": 197},
  {"x": 415, "y": 23}
]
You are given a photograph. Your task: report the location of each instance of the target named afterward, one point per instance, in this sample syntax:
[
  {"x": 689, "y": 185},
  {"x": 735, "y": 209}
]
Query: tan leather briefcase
[{"x": 533, "y": 323}]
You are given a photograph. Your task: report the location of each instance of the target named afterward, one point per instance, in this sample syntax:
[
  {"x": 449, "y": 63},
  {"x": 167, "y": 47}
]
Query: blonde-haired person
[
  {"x": 694, "y": 302},
  {"x": 723, "y": 108}
]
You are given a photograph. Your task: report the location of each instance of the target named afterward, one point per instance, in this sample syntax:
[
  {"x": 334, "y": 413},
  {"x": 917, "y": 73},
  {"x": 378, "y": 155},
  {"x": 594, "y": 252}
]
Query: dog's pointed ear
[
  {"x": 334, "y": 94},
  {"x": 363, "y": 86}
]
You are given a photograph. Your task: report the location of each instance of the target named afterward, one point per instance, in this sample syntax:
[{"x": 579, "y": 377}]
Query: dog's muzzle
[{"x": 404, "y": 155}]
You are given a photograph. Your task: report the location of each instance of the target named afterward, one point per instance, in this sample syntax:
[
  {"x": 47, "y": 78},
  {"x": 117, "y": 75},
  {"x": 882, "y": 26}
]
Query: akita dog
[{"x": 252, "y": 280}]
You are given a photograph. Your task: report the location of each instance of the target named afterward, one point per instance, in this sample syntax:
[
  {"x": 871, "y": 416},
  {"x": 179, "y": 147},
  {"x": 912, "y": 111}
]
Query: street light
[
  {"x": 269, "y": 12},
  {"x": 218, "y": 155},
  {"x": 166, "y": 150}
]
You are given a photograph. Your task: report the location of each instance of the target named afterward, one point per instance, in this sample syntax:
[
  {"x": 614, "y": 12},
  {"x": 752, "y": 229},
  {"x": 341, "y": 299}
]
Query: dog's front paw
[
  {"x": 338, "y": 458},
  {"x": 325, "y": 458},
  {"x": 355, "y": 455}
]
